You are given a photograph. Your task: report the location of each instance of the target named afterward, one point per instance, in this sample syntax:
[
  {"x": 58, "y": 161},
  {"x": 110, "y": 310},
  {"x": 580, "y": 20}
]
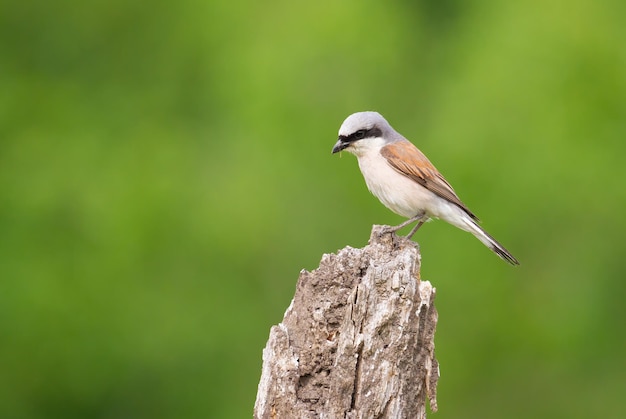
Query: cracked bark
[{"x": 357, "y": 340}]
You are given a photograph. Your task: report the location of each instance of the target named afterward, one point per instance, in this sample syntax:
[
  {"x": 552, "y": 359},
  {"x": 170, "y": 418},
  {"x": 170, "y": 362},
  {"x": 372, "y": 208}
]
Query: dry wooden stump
[{"x": 357, "y": 340}]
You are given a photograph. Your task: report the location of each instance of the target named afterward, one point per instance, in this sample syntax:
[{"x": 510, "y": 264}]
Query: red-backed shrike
[{"x": 404, "y": 180}]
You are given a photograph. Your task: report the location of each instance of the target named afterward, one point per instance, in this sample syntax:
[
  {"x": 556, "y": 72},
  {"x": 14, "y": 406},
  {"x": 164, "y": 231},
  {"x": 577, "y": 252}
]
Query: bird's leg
[
  {"x": 417, "y": 227},
  {"x": 419, "y": 217}
]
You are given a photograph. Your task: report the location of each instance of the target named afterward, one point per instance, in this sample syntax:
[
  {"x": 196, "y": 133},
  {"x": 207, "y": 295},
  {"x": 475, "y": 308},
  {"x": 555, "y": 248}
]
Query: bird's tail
[{"x": 489, "y": 241}]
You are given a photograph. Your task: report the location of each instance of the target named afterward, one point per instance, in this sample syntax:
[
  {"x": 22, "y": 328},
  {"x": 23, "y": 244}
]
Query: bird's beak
[{"x": 341, "y": 144}]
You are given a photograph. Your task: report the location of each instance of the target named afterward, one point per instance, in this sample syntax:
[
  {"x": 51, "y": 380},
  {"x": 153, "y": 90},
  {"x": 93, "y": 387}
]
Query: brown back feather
[{"x": 405, "y": 158}]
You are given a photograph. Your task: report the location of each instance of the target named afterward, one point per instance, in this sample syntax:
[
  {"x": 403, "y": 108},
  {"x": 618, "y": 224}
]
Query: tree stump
[{"x": 357, "y": 340}]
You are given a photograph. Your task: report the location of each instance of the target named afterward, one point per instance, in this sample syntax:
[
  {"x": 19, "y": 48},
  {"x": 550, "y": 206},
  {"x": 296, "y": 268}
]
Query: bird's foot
[
  {"x": 392, "y": 229},
  {"x": 383, "y": 230}
]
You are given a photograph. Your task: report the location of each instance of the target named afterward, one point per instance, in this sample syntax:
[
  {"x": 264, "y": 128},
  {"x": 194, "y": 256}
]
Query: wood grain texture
[{"x": 357, "y": 340}]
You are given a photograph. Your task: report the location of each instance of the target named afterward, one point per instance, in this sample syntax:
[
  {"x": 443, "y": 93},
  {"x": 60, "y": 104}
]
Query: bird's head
[{"x": 360, "y": 130}]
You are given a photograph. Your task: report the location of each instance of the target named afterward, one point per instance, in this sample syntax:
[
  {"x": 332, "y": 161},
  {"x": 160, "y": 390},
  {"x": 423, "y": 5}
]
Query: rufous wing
[{"x": 404, "y": 157}]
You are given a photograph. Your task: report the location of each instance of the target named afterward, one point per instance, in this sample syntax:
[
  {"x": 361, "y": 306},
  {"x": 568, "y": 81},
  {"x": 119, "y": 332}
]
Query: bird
[{"x": 405, "y": 181}]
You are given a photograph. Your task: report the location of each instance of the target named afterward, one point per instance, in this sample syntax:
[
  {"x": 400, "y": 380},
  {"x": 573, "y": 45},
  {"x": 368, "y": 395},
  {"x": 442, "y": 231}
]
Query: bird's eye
[{"x": 360, "y": 134}]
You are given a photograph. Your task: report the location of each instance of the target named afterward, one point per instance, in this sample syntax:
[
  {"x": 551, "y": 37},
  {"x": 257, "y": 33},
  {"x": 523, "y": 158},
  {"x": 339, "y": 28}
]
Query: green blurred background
[{"x": 165, "y": 173}]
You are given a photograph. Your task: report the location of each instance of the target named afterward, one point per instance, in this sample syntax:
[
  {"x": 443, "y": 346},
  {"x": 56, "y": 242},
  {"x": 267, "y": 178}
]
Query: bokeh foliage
[{"x": 165, "y": 173}]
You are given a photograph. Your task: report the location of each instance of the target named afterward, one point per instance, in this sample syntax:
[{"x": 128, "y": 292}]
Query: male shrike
[{"x": 404, "y": 180}]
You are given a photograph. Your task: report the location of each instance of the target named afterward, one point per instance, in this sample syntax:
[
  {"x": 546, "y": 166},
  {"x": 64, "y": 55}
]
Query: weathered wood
[{"x": 357, "y": 340}]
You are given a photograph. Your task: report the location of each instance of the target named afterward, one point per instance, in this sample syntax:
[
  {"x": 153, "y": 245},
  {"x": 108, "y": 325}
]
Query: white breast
[{"x": 396, "y": 191}]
